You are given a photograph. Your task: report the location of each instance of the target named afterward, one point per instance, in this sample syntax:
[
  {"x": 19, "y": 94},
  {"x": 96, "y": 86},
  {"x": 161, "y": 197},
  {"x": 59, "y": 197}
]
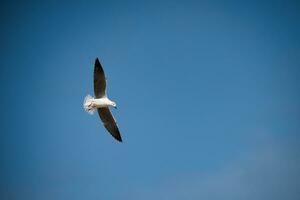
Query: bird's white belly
[{"x": 100, "y": 103}]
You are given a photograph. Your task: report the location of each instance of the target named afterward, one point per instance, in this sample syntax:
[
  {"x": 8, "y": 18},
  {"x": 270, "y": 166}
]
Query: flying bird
[{"x": 102, "y": 103}]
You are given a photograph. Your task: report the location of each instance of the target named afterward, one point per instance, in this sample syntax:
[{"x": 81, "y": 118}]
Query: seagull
[{"x": 102, "y": 103}]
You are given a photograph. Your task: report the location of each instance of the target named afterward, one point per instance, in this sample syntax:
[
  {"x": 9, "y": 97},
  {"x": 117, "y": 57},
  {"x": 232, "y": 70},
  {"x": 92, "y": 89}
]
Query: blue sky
[{"x": 207, "y": 93}]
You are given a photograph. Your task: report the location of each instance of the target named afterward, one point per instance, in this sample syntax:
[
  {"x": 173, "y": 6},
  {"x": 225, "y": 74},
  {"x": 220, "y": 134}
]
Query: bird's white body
[
  {"x": 103, "y": 102},
  {"x": 90, "y": 103}
]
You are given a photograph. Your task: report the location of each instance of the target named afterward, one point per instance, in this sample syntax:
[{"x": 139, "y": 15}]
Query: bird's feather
[
  {"x": 99, "y": 80},
  {"x": 109, "y": 122}
]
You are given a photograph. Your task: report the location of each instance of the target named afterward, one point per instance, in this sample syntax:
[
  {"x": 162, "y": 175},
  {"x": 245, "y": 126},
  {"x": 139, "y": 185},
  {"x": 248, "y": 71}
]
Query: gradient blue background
[{"x": 207, "y": 93}]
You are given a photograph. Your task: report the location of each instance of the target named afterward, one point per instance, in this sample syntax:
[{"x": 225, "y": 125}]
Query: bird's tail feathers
[{"x": 87, "y": 104}]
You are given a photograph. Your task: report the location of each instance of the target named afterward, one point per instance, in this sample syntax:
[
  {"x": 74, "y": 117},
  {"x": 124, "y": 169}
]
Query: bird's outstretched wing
[
  {"x": 110, "y": 123},
  {"x": 99, "y": 80}
]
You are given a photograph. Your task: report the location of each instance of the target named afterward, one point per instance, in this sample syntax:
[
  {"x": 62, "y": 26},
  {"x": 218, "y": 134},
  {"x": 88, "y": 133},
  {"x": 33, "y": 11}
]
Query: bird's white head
[{"x": 113, "y": 104}]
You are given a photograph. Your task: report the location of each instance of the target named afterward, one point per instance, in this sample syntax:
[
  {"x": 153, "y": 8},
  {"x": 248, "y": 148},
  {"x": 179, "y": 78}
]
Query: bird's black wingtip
[
  {"x": 97, "y": 60},
  {"x": 119, "y": 139}
]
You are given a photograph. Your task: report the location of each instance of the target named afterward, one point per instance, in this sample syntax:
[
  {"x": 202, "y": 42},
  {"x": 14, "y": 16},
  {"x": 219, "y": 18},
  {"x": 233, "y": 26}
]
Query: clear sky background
[{"x": 207, "y": 93}]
